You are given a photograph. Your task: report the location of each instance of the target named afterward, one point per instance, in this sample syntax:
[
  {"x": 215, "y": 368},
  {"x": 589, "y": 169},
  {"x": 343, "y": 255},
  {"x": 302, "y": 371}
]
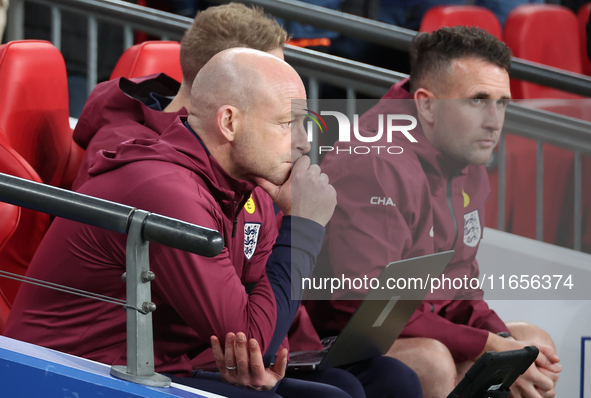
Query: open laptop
[{"x": 380, "y": 318}]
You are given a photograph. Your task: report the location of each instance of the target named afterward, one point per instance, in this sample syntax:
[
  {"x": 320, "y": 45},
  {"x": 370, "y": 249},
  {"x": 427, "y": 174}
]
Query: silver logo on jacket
[
  {"x": 472, "y": 230},
  {"x": 251, "y": 237}
]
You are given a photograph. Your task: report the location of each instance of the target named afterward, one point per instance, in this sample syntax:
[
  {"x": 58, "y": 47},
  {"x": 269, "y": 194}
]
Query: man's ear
[
  {"x": 228, "y": 120},
  {"x": 425, "y": 102}
]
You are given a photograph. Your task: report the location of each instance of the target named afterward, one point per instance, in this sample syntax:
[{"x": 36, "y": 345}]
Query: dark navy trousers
[{"x": 381, "y": 377}]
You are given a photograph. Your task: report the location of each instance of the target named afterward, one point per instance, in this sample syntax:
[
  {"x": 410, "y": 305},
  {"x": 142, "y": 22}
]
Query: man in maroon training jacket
[
  {"x": 427, "y": 199},
  {"x": 202, "y": 169},
  {"x": 144, "y": 108}
]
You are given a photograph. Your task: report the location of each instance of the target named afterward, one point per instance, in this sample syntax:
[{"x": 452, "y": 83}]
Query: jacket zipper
[
  {"x": 237, "y": 213},
  {"x": 451, "y": 209}
]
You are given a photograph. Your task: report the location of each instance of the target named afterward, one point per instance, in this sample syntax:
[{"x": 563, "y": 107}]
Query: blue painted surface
[{"x": 27, "y": 370}]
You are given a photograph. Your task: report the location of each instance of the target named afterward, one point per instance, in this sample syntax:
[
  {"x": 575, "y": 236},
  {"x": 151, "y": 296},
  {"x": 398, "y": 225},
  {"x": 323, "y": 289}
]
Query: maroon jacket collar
[
  {"x": 121, "y": 99},
  {"x": 181, "y": 146}
]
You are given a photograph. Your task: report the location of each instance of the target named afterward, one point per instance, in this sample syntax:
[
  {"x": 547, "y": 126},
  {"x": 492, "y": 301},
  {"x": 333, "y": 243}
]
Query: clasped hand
[{"x": 241, "y": 363}]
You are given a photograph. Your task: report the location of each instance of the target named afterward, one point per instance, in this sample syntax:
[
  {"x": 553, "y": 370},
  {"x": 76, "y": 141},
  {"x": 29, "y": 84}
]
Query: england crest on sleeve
[
  {"x": 472, "y": 230},
  {"x": 251, "y": 237}
]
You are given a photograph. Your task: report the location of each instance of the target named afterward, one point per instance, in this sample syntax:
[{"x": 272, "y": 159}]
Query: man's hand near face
[{"x": 306, "y": 193}]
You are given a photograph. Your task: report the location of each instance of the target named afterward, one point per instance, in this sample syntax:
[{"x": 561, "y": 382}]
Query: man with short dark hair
[{"x": 435, "y": 190}]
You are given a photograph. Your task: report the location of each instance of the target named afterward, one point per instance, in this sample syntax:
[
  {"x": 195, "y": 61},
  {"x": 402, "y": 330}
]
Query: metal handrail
[
  {"x": 108, "y": 215},
  {"x": 354, "y": 76},
  {"x": 371, "y": 80},
  {"x": 575, "y": 134},
  {"x": 141, "y": 227},
  {"x": 392, "y": 36},
  {"x": 541, "y": 125},
  {"x": 173, "y": 26},
  {"x": 119, "y": 12}
]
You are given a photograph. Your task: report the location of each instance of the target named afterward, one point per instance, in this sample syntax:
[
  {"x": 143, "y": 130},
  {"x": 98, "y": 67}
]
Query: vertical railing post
[
  {"x": 539, "y": 190},
  {"x": 351, "y": 105},
  {"x": 127, "y": 37},
  {"x": 502, "y": 182},
  {"x": 15, "y": 23},
  {"x": 92, "y": 54},
  {"x": 577, "y": 212},
  {"x": 56, "y": 27},
  {"x": 140, "y": 339},
  {"x": 313, "y": 96}
]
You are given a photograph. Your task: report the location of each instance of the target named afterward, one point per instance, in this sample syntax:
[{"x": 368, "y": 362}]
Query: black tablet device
[{"x": 493, "y": 373}]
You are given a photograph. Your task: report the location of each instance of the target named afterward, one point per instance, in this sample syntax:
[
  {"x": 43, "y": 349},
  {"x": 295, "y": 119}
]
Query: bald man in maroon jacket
[{"x": 203, "y": 169}]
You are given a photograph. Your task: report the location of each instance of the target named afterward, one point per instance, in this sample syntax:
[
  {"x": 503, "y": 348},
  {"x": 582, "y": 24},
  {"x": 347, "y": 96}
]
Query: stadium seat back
[
  {"x": 9, "y": 218},
  {"x": 28, "y": 228},
  {"x": 4, "y": 312},
  {"x": 583, "y": 17},
  {"x": 148, "y": 58},
  {"x": 441, "y": 16},
  {"x": 547, "y": 34},
  {"x": 34, "y": 109}
]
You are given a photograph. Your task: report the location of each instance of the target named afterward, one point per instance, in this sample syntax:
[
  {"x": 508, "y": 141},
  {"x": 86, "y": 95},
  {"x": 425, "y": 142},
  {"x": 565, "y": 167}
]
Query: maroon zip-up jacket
[
  {"x": 115, "y": 112},
  {"x": 196, "y": 297},
  {"x": 115, "y": 106},
  {"x": 397, "y": 206}
]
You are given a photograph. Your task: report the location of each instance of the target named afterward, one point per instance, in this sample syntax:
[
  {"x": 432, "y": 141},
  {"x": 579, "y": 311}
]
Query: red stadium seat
[
  {"x": 520, "y": 204},
  {"x": 547, "y": 34},
  {"x": 583, "y": 16},
  {"x": 148, "y": 58},
  {"x": 9, "y": 218},
  {"x": 34, "y": 110},
  {"x": 18, "y": 240},
  {"x": 441, "y": 16},
  {"x": 4, "y": 312},
  {"x": 586, "y": 208}
]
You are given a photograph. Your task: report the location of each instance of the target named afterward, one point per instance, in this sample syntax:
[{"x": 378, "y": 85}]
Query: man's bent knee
[
  {"x": 429, "y": 358},
  {"x": 529, "y": 332}
]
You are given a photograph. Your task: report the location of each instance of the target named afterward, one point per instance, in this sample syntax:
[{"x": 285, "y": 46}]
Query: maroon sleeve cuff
[{"x": 464, "y": 342}]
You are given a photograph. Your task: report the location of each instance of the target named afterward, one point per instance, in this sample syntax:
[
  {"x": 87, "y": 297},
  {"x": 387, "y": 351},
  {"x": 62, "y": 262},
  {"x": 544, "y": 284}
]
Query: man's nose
[
  {"x": 299, "y": 139},
  {"x": 495, "y": 116}
]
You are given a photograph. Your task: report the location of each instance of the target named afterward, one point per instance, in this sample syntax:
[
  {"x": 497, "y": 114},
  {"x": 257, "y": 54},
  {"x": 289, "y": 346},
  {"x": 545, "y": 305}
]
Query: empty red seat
[
  {"x": 9, "y": 217},
  {"x": 547, "y": 34},
  {"x": 586, "y": 208},
  {"x": 480, "y": 17},
  {"x": 17, "y": 247},
  {"x": 148, "y": 58},
  {"x": 520, "y": 188},
  {"x": 34, "y": 114},
  {"x": 4, "y": 312},
  {"x": 583, "y": 17}
]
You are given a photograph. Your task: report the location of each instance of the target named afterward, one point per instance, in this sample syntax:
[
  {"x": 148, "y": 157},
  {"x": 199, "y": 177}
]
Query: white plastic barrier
[{"x": 567, "y": 321}]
